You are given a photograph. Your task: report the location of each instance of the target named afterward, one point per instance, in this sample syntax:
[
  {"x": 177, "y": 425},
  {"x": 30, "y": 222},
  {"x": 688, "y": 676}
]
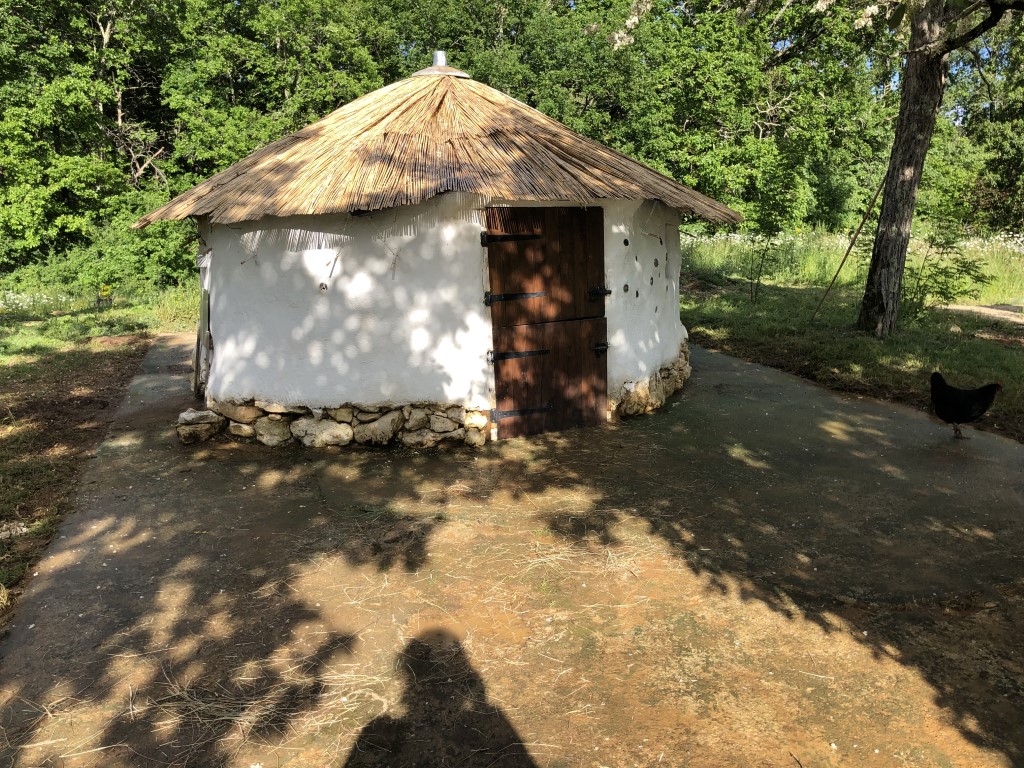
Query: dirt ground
[
  {"x": 55, "y": 409},
  {"x": 1008, "y": 313},
  {"x": 763, "y": 574}
]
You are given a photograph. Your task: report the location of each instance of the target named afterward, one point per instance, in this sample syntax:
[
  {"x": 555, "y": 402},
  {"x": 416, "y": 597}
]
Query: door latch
[{"x": 597, "y": 291}]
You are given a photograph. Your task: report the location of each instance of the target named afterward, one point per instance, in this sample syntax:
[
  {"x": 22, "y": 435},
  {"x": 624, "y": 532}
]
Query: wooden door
[{"x": 547, "y": 308}]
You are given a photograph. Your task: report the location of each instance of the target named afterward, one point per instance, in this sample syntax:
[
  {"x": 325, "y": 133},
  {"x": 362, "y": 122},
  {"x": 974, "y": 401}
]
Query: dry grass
[
  {"x": 251, "y": 710},
  {"x": 421, "y": 137}
]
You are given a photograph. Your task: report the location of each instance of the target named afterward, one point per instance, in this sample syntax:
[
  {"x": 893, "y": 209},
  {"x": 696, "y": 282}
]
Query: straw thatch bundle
[{"x": 437, "y": 131}]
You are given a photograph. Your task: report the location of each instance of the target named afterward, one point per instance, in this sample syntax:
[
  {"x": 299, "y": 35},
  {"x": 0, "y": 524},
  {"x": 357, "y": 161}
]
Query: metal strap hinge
[
  {"x": 490, "y": 298},
  {"x": 497, "y": 415},
  {"x": 486, "y": 238},
  {"x": 494, "y": 357}
]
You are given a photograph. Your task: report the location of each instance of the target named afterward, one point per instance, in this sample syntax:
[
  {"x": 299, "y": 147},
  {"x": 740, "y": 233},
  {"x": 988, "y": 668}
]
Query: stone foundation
[
  {"x": 417, "y": 425},
  {"x": 649, "y": 394}
]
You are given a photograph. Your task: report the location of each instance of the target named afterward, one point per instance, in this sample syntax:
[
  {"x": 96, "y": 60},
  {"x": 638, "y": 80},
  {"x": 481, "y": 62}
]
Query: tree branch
[
  {"x": 806, "y": 37},
  {"x": 980, "y": 63},
  {"x": 137, "y": 174},
  {"x": 998, "y": 10},
  {"x": 976, "y": 5}
]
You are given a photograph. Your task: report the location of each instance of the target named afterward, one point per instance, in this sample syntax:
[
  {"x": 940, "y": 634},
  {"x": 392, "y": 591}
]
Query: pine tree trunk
[{"x": 924, "y": 81}]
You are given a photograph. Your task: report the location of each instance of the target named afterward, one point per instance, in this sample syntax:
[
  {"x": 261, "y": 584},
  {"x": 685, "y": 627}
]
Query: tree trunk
[{"x": 924, "y": 81}]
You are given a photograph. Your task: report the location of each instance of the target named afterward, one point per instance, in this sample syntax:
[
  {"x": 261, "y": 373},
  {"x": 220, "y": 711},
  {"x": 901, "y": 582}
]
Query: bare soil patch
[
  {"x": 1005, "y": 312},
  {"x": 762, "y": 574},
  {"x": 55, "y": 409}
]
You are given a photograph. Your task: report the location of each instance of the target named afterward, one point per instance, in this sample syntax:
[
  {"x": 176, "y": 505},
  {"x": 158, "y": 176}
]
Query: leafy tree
[
  {"x": 949, "y": 181},
  {"x": 106, "y": 104},
  {"x": 937, "y": 28},
  {"x": 49, "y": 179},
  {"x": 781, "y": 109},
  {"x": 246, "y": 73},
  {"x": 73, "y": 76},
  {"x": 987, "y": 90}
]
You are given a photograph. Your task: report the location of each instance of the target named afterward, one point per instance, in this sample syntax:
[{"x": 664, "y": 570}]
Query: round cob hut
[{"x": 436, "y": 261}]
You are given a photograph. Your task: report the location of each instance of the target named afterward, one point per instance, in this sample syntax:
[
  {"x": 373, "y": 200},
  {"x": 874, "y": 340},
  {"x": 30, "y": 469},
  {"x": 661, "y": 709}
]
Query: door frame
[{"x": 580, "y": 231}]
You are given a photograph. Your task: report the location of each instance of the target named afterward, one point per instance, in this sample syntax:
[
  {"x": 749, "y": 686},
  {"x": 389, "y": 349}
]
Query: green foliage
[
  {"x": 781, "y": 110},
  {"x": 246, "y": 73},
  {"x": 811, "y": 259},
  {"x": 90, "y": 324},
  {"x": 948, "y": 190},
  {"x": 944, "y": 275},
  {"x": 986, "y": 104},
  {"x": 115, "y": 254},
  {"x": 107, "y": 111}
]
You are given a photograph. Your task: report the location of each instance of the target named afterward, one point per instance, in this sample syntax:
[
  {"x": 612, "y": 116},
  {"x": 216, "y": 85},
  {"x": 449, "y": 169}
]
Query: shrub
[{"x": 944, "y": 275}]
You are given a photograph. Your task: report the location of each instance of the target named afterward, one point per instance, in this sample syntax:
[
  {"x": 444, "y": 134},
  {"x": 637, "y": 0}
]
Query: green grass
[
  {"x": 812, "y": 258},
  {"x": 1004, "y": 261},
  {"x": 805, "y": 259},
  {"x": 64, "y": 364},
  {"x": 146, "y": 309},
  {"x": 777, "y": 331}
]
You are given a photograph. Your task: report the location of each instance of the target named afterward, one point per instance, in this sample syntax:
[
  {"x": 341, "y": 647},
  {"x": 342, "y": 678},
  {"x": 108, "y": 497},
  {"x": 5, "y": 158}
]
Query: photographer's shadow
[{"x": 447, "y": 721}]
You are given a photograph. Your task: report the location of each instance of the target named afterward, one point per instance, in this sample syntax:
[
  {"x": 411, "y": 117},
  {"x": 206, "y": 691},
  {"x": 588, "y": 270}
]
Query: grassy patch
[
  {"x": 1003, "y": 258},
  {"x": 777, "y": 331},
  {"x": 64, "y": 366},
  {"x": 812, "y": 259}
]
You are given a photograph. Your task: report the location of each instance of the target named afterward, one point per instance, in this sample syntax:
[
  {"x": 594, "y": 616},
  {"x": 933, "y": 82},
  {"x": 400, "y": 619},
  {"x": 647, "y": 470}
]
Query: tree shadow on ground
[
  {"x": 859, "y": 525},
  {"x": 165, "y": 627},
  {"x": 971, "y": 350},
  {"x": 828, "y": 512},
  {"x": 54, "y": 411},
  {"x": 174, "y": 605}
]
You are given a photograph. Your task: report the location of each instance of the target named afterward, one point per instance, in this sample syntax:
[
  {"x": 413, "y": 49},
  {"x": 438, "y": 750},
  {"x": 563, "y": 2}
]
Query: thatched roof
[{"x": 437, "y": 131}]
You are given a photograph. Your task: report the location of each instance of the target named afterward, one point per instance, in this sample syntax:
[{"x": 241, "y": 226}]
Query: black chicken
[{"x": 961, "y": 406}]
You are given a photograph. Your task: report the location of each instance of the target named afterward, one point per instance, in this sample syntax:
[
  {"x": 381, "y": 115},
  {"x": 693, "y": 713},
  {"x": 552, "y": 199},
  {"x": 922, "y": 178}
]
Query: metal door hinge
[
  {"x": 490, "y": 298},
  {"x": 497, "y": 415},
  {"x": 486, "y": 238},
  {"x": 493, "y": 357}
]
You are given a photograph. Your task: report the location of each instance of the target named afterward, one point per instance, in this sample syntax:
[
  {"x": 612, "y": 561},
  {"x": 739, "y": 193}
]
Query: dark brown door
[{"x": 547, "y": 308}]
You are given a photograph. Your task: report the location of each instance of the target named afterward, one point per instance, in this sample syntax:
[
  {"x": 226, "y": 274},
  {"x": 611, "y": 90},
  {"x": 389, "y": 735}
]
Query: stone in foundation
[
  {"x": 318, "y": 433},
  {"x": 273, "y": 430},
  {"x": 382, "y": 430}
]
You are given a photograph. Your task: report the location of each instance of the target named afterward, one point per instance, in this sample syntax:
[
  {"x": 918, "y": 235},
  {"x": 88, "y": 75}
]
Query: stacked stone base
[
  {"x": 649, "y": 394},
  {"x": 420, "y": 425}
]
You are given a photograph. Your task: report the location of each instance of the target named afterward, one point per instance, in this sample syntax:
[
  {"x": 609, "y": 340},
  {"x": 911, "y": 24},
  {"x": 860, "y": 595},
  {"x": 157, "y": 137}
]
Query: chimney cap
[{"x": 441, "y": 67}]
